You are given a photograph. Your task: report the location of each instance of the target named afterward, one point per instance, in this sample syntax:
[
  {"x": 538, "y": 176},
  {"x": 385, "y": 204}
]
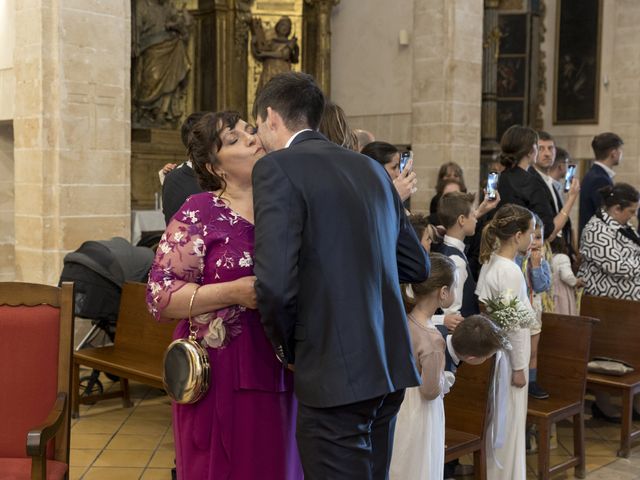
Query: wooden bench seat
[
  {"x": 137, "y": 352},
  {"x": 617, "y": 336}
]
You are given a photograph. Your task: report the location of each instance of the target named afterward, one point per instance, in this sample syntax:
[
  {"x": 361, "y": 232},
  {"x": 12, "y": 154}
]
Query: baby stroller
[{"x": 98, "y": 270}]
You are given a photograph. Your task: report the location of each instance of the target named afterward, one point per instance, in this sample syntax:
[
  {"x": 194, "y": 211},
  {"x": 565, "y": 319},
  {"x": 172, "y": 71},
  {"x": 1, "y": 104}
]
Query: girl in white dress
[
  {"x": 507, "y": 234},
  {"x": 418, "y": 450}
]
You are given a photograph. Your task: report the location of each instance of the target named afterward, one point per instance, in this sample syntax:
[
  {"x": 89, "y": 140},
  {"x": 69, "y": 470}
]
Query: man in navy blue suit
[
  {"x": 607, "y": 148},
  {"x": 332, "y": 245}
]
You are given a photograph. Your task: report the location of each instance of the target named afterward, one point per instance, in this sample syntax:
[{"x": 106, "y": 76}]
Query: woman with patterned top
[
  {"x": 610, "y": 249},
  {"x": 610, "y": 246},
  {"x": 243, "y": 428}
]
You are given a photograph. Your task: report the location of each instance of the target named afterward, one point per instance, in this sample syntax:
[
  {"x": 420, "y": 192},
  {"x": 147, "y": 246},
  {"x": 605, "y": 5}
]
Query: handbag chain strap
[{"x": 193, "y": 329}]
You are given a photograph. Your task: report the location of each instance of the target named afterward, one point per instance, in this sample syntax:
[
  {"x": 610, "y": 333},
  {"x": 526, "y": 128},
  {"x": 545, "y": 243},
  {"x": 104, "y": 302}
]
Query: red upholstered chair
[{"x": 36, "y": 334}]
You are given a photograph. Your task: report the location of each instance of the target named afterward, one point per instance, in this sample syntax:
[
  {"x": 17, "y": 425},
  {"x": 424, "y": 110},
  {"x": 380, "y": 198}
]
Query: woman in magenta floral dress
[{"x": 244, "y": 428}]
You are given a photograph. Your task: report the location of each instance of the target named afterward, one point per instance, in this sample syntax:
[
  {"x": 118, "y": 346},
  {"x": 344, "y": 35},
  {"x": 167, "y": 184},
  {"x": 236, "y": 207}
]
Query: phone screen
[
  {"x": 492, "y": 185},
  {"x": 568, "y": 177},
  {"x": 404, "y": 158}
]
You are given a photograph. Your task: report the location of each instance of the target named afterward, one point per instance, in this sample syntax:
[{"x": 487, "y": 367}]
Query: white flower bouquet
[{"x": 508, "y": 312}]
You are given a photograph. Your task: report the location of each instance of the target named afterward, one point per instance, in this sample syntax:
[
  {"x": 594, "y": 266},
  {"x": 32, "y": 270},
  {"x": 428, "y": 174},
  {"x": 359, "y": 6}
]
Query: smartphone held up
[
  {"x": 568, "y": 177},
  {"x": 492, "y": 185},
  {"x": 404, "y": 159}
]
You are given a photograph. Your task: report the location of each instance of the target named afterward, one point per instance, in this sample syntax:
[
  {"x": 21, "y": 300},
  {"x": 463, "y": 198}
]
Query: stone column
[
  {"x": 446, "y": 96},
  {"x": 72, "y": 130}
]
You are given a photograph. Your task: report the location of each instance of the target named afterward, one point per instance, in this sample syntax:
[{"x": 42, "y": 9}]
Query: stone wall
[
  {"x": 371, "y": 73},
  {"x": 72, "y": 129},
  {"x": 426, "y": 94},
  {"x": 619, "y": 107}
]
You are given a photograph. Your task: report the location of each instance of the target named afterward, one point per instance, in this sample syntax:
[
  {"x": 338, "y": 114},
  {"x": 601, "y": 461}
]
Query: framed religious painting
[
  {"x": 513, "y": 71},
  {"x": 577, "y": 62}
]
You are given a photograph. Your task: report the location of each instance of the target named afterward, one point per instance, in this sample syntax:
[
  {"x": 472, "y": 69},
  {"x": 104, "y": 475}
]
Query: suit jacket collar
[
  {"x": 602, "y": 169},
  {"x": 308, "y": 135}
]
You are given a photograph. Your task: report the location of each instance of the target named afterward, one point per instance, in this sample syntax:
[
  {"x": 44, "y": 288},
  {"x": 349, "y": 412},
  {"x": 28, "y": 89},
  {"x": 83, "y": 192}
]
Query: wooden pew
[
  {"x": 617, "y": 336},
  {"x": 563, "y": 354},
  {"x": 466, "y": 409},
  {"x": 137, "y": 353}
]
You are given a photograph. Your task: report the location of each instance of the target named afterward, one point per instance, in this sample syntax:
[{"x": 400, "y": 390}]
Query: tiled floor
[
  {"x": 111, "y": 442},
  {"x": 115, "y": 443}
]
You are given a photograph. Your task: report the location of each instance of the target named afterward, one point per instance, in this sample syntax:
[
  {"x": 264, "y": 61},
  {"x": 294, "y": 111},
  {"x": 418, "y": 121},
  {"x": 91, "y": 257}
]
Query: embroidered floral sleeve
[{"x": 179, "y": 260}]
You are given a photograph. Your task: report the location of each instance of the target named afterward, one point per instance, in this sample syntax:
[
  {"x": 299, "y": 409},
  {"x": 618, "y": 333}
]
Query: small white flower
[
  {"x": 217, "y": 333},
  {"x": 155, "y": 288},
  {"x": 178, "y": 236},
  {"x": 164, "y": 247},
  {"x": 246, "y": 261},
  {"x": 191, "y": 215},
  {"x": 198, "y": 247}
]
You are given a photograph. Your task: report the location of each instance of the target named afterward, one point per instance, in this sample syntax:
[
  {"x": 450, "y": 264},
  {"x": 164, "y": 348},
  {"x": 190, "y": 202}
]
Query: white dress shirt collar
[
  {"x": 606, "y": 168},
  {"x": 452, "y": 352},
  {"x": 454, "y": 242},
  {"x": 288, "y": 144}
]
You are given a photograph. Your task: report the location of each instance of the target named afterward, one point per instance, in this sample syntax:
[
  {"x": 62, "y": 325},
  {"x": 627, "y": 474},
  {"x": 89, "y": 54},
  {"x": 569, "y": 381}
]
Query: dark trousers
[{"x": 348, "y": 442}]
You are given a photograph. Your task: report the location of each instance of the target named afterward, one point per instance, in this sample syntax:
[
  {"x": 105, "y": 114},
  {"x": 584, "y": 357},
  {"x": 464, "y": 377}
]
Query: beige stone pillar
[
  {"x": 7, "y": 236},
  {"x": 72, "y": 129},
  {"x": 447, "y": 87}
]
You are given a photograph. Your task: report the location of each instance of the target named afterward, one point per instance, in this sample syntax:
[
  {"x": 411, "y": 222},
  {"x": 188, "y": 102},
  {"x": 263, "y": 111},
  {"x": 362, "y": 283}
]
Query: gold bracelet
[
  {"x": 564, "y": 213},
  {"x": 193, "y": 296}
]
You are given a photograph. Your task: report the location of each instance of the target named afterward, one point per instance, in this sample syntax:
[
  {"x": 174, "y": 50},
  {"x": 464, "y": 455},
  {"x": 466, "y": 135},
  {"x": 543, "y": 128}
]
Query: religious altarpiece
[{"x": 211, "y": 55}]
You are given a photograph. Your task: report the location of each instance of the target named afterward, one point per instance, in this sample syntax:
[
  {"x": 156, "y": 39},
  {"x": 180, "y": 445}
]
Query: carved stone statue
[
  {"x": 160, "y": 62},
  {"x": 274, "y": 49}
]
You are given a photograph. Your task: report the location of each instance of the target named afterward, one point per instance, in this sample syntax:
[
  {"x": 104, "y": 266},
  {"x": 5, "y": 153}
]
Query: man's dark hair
[
  {"x": 295, "y": 96},
  {"x": 603, "y": 144},
  {"x": 187, "y": 126},
  {"x": 546, "y": 136},
  {"x": 562, "y": 156}
]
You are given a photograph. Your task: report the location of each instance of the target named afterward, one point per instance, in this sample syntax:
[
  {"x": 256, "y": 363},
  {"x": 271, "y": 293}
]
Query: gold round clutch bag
[{"x": 186, "y": 371}]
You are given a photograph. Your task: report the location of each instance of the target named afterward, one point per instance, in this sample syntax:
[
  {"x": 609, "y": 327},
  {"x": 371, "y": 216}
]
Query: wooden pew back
[
  {"x": 563, "y": 354},
  {"x": 466, "y": 405},
  {"x": 617, "y": 335},
  {"x": 136, "y": 329}
]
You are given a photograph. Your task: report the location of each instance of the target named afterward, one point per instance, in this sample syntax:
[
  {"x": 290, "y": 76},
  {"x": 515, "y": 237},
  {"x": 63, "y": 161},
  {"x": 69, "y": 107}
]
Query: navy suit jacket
[
  {"x": 590, "y": 200},
  {"x": 332, "y": 245}
]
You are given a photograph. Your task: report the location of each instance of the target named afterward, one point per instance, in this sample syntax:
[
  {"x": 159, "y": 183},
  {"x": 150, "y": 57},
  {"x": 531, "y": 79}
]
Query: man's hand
[{"x": 406, "y": 182}]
